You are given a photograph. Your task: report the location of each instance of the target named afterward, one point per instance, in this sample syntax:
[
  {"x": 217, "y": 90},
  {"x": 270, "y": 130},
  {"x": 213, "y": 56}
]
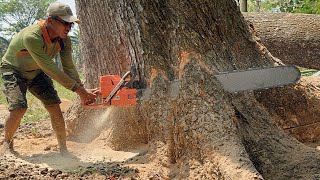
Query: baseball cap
[{"x": 63, "y": 11}]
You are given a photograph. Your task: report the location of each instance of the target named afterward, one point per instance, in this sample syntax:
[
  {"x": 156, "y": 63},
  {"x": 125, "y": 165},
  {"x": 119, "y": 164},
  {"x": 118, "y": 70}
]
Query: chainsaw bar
[
  {"x": 246, "y": 80},
  {"x": 260, "y": 78}
]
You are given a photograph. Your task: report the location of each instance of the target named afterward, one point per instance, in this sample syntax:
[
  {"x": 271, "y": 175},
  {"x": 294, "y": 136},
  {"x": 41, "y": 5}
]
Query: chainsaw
[{"x": 120, "y": 91}]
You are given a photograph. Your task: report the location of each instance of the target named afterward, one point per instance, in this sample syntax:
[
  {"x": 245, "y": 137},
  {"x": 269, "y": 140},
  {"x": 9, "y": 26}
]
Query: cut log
[{"x": 293, "y": 38}]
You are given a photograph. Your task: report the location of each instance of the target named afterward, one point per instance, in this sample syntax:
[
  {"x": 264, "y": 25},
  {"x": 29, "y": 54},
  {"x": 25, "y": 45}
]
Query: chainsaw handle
[{"x": 117, "y": 87}]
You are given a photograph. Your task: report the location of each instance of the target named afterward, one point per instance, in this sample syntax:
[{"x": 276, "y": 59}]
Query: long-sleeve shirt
[{"x": 31, "y": 51}]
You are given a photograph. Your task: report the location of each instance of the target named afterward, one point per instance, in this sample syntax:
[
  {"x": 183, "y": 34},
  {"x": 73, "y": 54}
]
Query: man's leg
[
  {"x": 42, "y": 87},
  {"x": 58, "y": 126},
  {"x": 15, "y": 89},
  {"x": 11, "y": 125}
]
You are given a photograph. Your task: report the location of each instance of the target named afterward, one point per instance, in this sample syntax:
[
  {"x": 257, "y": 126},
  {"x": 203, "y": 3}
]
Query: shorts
[{"x": 15, "y": 89}]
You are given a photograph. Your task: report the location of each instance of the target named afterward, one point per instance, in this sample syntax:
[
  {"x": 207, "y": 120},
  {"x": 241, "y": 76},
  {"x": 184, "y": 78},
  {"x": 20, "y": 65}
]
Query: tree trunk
[
  {"x": 206, "y": 132},
  {"x": 293, "y": 38},
  {"x": 243, "y": 5},
  {"x": 258, "y": 4}
]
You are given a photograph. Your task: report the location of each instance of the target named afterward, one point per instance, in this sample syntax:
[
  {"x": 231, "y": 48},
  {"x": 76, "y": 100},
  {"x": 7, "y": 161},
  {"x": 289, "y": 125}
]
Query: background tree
[
  {"x": 75, "y": 36},
  {"x": 243, "y": 5},
  {"x": 206, "y": 132},
  {"x": 4, "y": 43},
  {"x": 18, "y": 14},
  {"x": 291, "y": 6}
]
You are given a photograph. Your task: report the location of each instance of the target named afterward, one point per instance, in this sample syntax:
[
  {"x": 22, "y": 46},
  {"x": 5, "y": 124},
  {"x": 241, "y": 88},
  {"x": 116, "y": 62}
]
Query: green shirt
[{"x": 31, "y": 51}]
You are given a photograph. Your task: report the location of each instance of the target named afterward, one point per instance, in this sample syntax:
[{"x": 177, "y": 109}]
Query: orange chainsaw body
[{"x": 124, "y": 96}]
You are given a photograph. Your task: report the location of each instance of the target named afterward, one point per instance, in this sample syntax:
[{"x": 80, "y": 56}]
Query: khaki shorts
[{"x": 15, "y": 89}]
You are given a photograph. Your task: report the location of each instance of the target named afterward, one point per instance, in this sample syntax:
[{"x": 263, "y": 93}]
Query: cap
[{"x": 63, "y": 11}]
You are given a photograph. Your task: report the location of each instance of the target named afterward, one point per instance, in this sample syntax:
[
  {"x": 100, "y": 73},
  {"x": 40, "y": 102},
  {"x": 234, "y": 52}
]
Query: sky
[{"x": 71, "y": 3}]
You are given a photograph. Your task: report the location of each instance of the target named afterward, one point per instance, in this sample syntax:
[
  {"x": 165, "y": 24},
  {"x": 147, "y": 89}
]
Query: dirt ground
[{"x": 38, "y": 157}]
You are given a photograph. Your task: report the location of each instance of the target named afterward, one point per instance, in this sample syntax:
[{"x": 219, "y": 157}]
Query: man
[{"x": 28, "y": 64}]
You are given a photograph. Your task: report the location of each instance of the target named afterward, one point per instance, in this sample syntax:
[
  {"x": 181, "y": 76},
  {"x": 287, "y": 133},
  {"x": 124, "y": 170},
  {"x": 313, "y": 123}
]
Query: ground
[{"x": 38, "y": 157}]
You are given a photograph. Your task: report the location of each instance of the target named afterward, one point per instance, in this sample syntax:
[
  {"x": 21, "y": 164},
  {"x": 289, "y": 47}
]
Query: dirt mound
[{"x": 298, "y": 109}]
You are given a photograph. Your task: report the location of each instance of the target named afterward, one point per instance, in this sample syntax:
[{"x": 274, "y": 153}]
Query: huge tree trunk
[
  {"x": 293, "y": 38},
  {"x": 207, "y": 132}
]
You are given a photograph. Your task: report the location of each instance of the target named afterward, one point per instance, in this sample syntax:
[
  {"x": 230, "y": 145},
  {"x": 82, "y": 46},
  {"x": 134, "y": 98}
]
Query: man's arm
[
  {"x": 34, "y": 46},
  {"x": 66, "y": 60}
]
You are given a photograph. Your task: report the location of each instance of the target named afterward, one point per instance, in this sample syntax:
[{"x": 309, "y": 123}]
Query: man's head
[
  {"x": 60, "y": 19},
  {"x": 63, "y": 11}
]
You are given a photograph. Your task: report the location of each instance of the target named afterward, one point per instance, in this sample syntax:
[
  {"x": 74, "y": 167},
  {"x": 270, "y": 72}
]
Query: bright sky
[{"x": 71, "y": 3}]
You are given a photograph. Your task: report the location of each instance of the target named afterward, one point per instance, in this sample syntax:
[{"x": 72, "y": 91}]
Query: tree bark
[
  {"x": 206, "y": 132},
  {"x": 293, "y": 38}
]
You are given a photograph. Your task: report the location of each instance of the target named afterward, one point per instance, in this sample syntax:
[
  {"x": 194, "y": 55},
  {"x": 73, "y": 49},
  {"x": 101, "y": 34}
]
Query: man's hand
[
  {"x": 87, "y": 96},
  {"x": 95, "y": 91}
]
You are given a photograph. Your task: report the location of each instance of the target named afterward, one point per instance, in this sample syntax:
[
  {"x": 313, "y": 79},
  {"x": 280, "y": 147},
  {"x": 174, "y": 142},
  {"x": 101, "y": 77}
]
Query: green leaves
[
  {"x": 291, "y": 6},
  {"x": 308, "y": 6},
  {"x": 4, "y": 43},
  {"x": 76, "y": 47},
  {"x": 18, "y": 14},
  {"x": 308, "y": 72}
]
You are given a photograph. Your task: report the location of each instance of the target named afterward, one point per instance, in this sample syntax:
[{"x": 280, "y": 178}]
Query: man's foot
[
  {"x": 64, "y": 152},
  {"x": 7, "y": 148},
  {"x": 67, "y": 154}
]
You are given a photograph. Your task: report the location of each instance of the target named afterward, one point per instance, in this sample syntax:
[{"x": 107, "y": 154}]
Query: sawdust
[
  {"x": 44, "y": 152},
  {"x": 41, "y": 150}
]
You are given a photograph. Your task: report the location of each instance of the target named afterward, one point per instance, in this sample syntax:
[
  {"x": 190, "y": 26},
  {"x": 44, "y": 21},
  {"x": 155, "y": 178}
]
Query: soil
[{"x": 38, "y": 157}]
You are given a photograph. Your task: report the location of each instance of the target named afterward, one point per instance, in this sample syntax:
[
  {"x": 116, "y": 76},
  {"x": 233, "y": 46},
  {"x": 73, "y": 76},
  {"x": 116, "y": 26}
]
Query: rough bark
[
  {"x": 219, "y": 135},
  {"x": 293, "y": 38},
  {"x": 109, "y": 44}
]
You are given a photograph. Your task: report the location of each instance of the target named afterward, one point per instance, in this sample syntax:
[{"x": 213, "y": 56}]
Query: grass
[
  {"x": 36, "y": 110},
  {"x": 307, "y": 72}
]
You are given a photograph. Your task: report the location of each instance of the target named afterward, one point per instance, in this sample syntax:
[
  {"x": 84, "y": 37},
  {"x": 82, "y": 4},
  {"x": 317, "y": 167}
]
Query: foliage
[
  {"x": 4, "y": 43},
  {"x": 76, "y": 48},
  {"x": 294, "y": 6},
  {"x": 308, "y": 72},
  {"x": 291, "y": 6},
  {"x": 18, "y": 14}
]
